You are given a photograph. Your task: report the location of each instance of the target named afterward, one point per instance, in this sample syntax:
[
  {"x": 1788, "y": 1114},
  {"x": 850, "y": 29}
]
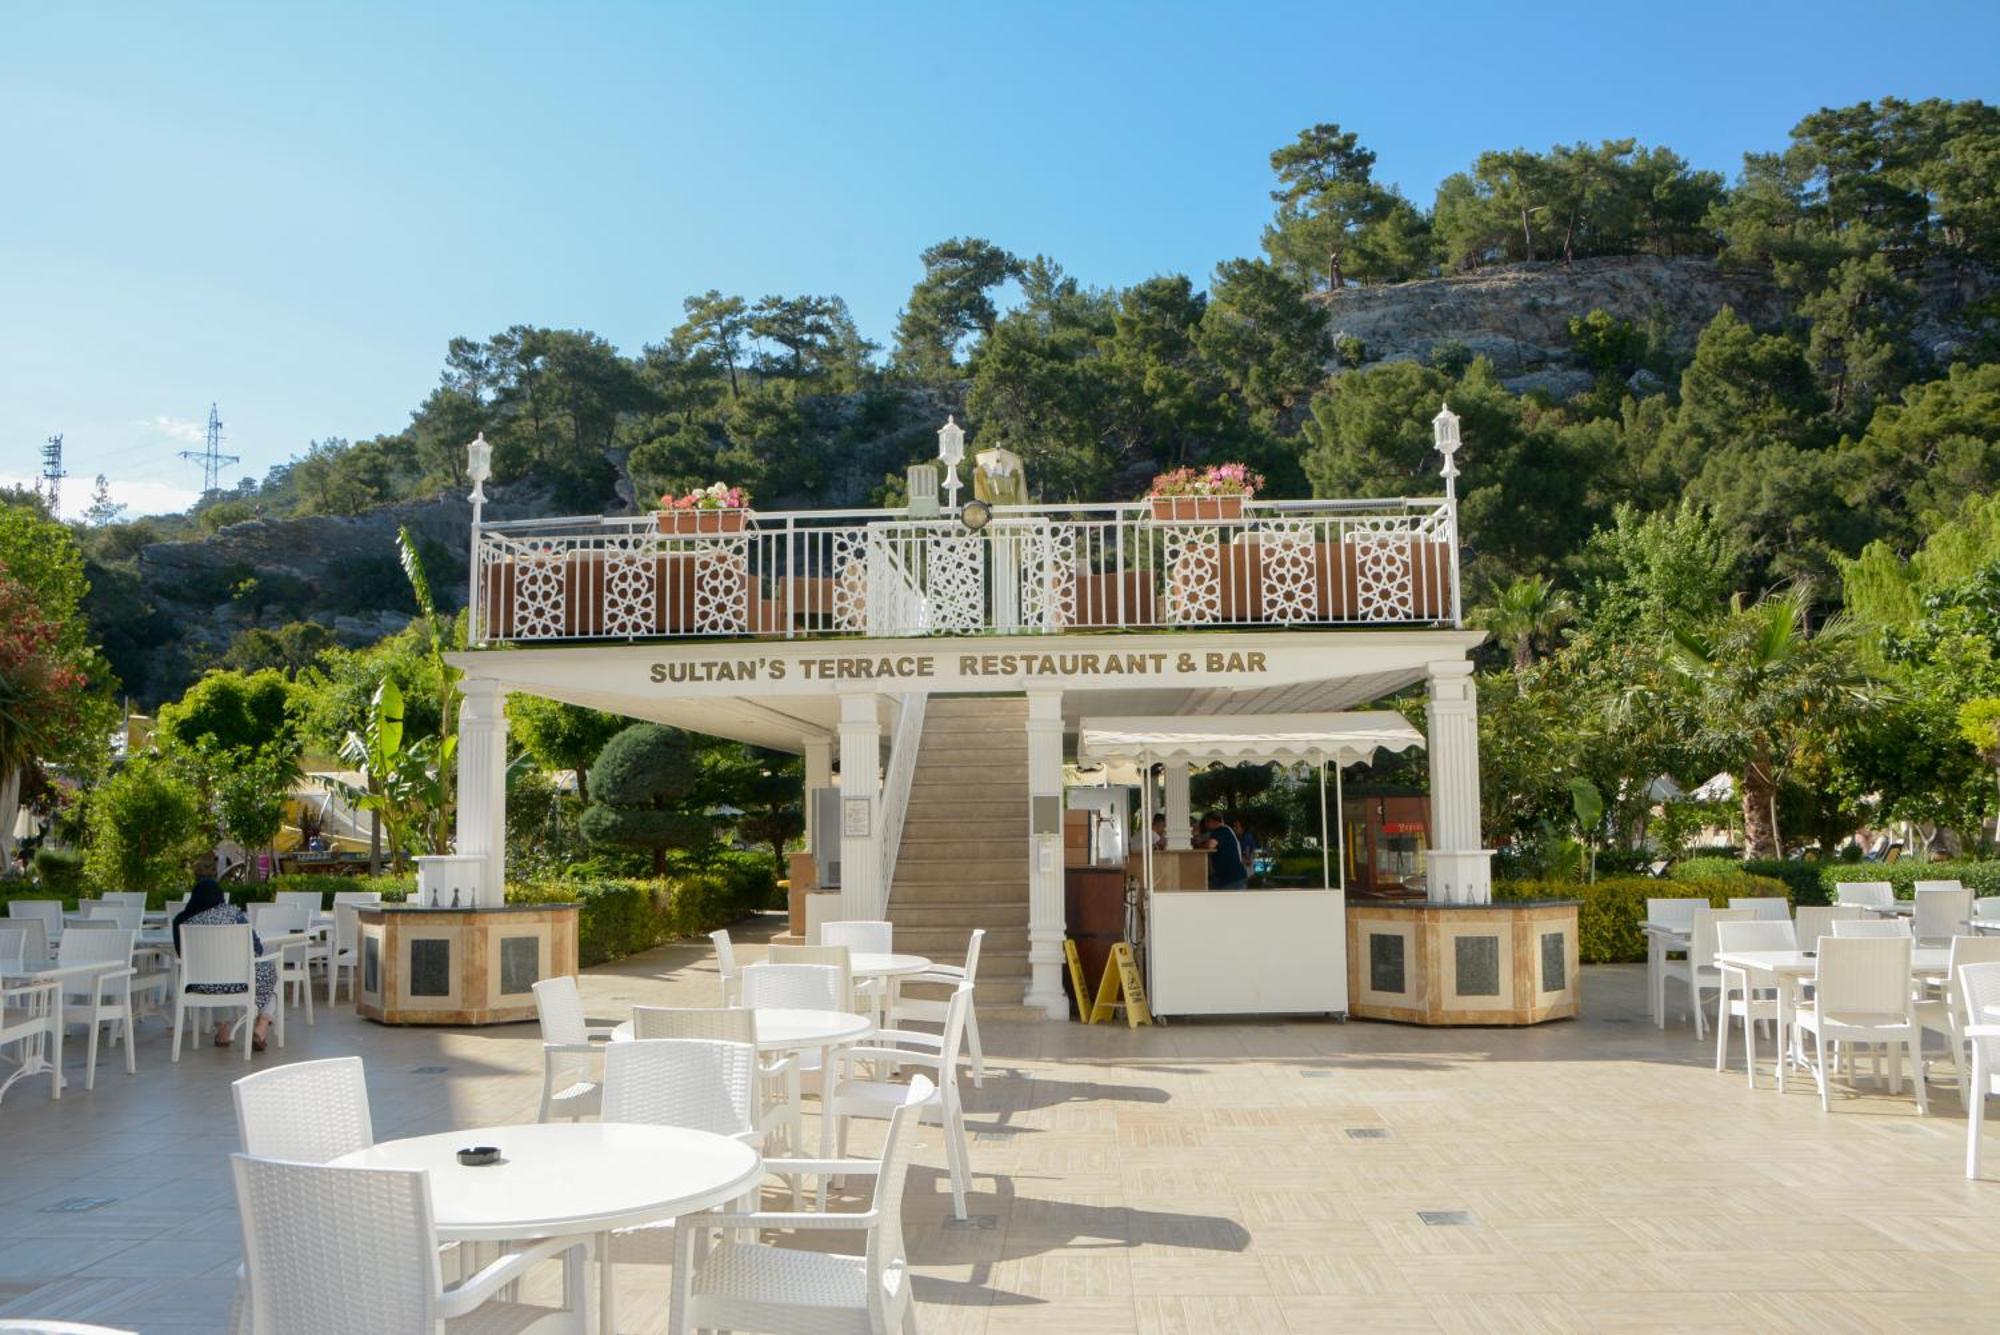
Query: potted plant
[
  {"x": 1215, "y": 492},
  {"x": 715, "y": 508}
]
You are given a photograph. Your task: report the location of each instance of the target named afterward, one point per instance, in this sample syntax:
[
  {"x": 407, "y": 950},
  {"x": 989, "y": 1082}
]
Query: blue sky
[{"x": 288, "y": 209}]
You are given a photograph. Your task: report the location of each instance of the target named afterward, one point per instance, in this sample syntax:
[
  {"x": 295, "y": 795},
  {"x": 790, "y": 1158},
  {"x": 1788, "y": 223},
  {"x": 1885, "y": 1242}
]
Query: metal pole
[
  {"x": 1451, "y": 518},
  {"x": 1325, "y": 875},
  {"x": 1340, "y": 803}
]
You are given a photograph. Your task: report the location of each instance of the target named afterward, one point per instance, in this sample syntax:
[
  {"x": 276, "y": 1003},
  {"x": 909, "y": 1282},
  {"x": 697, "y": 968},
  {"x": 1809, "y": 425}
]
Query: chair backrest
[
  {"x": 1766, "y": 909},
  {"x": 1755, "y": 934},
  {"x": 1941, "y": 912},
  {"x": 727, "y": 1024},
  {"x": 560, "y": 1007},
  {"x": 48, "y": 912},
  {"x": 793, "y": 986},
  {"x": 272, "y": 919},
  {"x": 357, "y": 896},
  {"x": 307, "y": 1112},
  {"x": 111, "y": 945},
  {"x": 37, "y": 932},
  {"x": 885, "y": 1240},
  {"x": 174, "y": 907},
  {"x": 835, "y": 957},
  {"x": 1863, "y": 976},
  {"x": 953, "y": 1037},
  {"x": 972, "y": 954},
  {"x": 133, "y": 898},
  {"x": 127, "y": 916},
  {"x": 346, "y": 928},
  {"x": 1969, "y": 950},
  {"x": 1919, "y": 887},
  {"x": 13, "y": 945},
  {"x": 725, "y": 962},
  {"x": 1986, "y": 906},
  {"x": 338, "y": 1251},
  {"x": 1852, "y": 928},
  {"x": 1817, "y": 920},
  {"x": 62, "y": 1327},
  {"x": 860, "y": 935},
  {"x": 309, "y": 900},
  {"x": 1868, "y": 894},
  {"x": 1979, "y": 990},
  {"x": 222, "y": 953},
  {"x": 1701, "y": 939},
  {"x": 1672, "y": 912},
  {"x": 698, "y": 1083}
]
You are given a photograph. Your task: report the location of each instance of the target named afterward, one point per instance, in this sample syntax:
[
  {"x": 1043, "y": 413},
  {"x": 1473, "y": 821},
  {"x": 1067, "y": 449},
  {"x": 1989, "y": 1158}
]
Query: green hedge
[
  {"x": 1608, "y": 917},
  {"x": 1815, "y": 882}
]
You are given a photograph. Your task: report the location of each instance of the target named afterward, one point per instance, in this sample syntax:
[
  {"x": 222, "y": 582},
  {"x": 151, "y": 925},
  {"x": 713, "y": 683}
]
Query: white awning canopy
[{"x": 1345, "y": 739}]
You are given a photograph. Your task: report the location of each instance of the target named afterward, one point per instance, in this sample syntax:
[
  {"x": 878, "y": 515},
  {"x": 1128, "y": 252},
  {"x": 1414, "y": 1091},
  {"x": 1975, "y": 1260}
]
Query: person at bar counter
[
  {"x": 1246, "y": 842},
  {"x": 1159, "y": 830},
  {"x": 1225, "y": 856}
]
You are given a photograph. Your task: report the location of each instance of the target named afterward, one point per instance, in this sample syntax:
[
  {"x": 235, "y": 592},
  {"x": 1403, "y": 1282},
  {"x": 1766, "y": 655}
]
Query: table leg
[
  {"x": 1655, "y": 982},
  {"x": 607, "y": 1297},
  {"x": 1722, "y": 1017},
  {"x": 90, "y": 1042},
  {"x": 1785, "y": 1034},
  {"x": 56, "y": 1040}
]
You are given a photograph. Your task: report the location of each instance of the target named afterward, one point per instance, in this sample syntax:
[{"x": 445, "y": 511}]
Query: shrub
[
  {"x": 1609, "y": 912},
  {"x": 1807, "y": 880},
  {"x": 59, "y": 871},
  {"x": 393, "y": 889},
  {"x": 146, "y": 829},
  {"x": 1982, "y": 878},
  {"x": 623, "y": 917}
]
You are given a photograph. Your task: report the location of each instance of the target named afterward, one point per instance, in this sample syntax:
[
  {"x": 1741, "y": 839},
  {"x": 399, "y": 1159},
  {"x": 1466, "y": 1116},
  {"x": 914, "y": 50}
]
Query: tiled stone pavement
[{"x": 1191, "y": 1178}]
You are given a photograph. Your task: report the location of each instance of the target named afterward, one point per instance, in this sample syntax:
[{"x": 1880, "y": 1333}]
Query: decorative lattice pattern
[
  {"x": 1194, "y": 574},
  {"x": 540, "y": 599},
  {"x": 1048, "y": 579},
  {"x": 631, "y": 586},
  {"x": 1385, "y": 571},
  {"x": 955, "y": 580},
  {"x": 1287, "y": 551},
  {"x": 850, "y": 581},
  {"x": 721, "y": 588}
]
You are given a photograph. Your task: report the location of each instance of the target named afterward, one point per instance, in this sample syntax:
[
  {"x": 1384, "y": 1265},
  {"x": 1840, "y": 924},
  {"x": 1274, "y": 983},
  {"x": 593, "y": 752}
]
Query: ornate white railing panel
[
  {"x": 1034, "y": 569},
  {"x": 896, "y": 780}
]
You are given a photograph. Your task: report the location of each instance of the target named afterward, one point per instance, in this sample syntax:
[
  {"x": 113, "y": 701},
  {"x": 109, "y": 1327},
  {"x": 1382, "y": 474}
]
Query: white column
[
  {"x": 482, "y": 783},
  {"x": 1179, "y": 816},
  {"x": 1045, "y": 865},
  {"x": 819, "y": 774},
  {"x": 861, "y": 891},
  {"x": 1460, "y": 870}
]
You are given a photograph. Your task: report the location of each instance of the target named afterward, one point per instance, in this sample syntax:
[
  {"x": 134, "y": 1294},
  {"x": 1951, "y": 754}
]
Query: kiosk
[{"x": 1246, "y": 952}]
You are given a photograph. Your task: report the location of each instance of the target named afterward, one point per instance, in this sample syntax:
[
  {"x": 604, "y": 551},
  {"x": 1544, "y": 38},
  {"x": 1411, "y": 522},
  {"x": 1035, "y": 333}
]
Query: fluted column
[
  {"x": 1179, "y": 813},
  {"x": 1045, "y": 869},
  {"x": 862, "y": 894},
  {"x": 482, "y": 783},
  {"x": 1460, "y": 869}
]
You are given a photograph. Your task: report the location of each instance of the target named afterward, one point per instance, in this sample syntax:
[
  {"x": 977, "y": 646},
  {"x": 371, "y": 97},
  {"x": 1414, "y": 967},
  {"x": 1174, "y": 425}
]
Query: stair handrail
[{"x": 896, "y": 781}]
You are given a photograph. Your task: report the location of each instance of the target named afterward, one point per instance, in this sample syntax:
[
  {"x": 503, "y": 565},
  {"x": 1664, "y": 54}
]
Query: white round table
[
  {"x": 785, "y": 1029},
  {"x": 862, "y": 964},
  {"x": 566, "y": 1179}
]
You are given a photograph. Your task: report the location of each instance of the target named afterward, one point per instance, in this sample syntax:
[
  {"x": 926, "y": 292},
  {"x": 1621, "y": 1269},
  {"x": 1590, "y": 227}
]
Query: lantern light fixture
[
  {"x": 478, "y": 467},
  {"x": 951, "y": 452}
]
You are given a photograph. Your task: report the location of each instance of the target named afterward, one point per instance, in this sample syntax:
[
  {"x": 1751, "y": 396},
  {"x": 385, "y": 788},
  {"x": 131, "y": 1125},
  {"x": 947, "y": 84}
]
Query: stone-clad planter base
[
  {"x": 460, "y": 966},
  {"x": 1447, "y": 964}
]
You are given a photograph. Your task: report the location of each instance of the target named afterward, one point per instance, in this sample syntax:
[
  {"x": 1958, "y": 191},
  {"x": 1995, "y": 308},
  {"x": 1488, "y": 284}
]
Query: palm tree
[
  {"x": 1528, "y": 610},
  {"x": 1755, "y": 684}
]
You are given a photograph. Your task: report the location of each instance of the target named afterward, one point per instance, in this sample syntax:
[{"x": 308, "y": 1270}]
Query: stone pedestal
[
  {"x": 1452, "y": 964},
  {"x": 460, "y": 966}
]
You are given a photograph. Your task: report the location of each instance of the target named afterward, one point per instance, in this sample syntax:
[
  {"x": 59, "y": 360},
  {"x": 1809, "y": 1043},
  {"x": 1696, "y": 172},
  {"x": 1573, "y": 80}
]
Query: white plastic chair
[
  {"x": 863, "y": 936},
  {"x": 924, "y": 1011},
  {"x": 834, "y": 956},
  {"x": 130, "y": 898},
  {"x": 58, "y": 1328},
  {"x": 343, "y": 951},
  {"x": 354, "y": 1251},
  {"x": 221, "y": 954},
  {"x": 273, "y": 918},
  {"x": 309, "y": 900},
  {"x": 1861, "y": 994},
  {"x": 778, "y": 1102},
  {"x": 752, "y": 1286},
  {"x": 96, "y": 1001},
  {"x": 128, "y": 917},
  {"x": 1817, "y": 920},
  {"x": 571, "y": 1047},
  {"x": 1942, "y": 1013},
  {"x": 36, "y": 945},
  {"x": 307, "y": 1112},
  {"x": 48, "y": 912},
  {"x": 14, "y": 945},
  {"x": 1942, "y": 911},
  {"x": 1698, "y": 969},
  {"x": 1937, "y": 885},
  {"x": 1737, "y": 1000},
  {"x": 1979, "y": 1002},
  {"x": 725, "y": 960},
  {"x": 1871, "y": 927},
  {"x": 357, "y": 897},
  {"x": 1867, "y": 894},
  {"x": 849, "y": 1096},
  {"x": 1987, "y": 906},
  {"x": 1763, "y": 908},
  {"x": 793, "y": 986}
]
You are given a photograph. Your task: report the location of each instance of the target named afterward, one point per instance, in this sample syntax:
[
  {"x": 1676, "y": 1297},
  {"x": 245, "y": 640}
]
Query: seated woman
[{"x": 207, "y": 906}]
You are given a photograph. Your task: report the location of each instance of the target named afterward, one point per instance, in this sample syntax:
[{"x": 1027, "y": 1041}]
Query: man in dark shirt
[{"x": 1225, "y": 856}]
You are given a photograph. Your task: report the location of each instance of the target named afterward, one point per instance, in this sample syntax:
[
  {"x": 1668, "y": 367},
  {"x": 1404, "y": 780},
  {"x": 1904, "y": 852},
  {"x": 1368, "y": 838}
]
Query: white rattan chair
[
  {"x": 307, "y": 1112},
  {"x": 1861, "y": 994},
  {"x": 1763, "y": 908},
  {"x": 128, "y": 917},
  {"x": 96, "y": 1001},
  {"x": 777, "y": 1088},
  {"x": 58, "y": 1328},
  {"x": 135, "y": 898},
  {"x": 836, "y": 957},
  {"x": 752, "y": 1286},
  {"x": 294, "y": 961},
  {"x": 848, "y": 1095},
  {"x": 272, "y": 918},
  {"x": 1943, "y": 1014},
  {"x": 1979, "y": 1001},
  {"x": 48, "y": 912},
  {"x": 863, "y": 936},
  {"x": 1942, "y": 912},
  {"x": 357, "y": 897},
  {"x": 819, "y": 987},
  {"x": 14, "y": 945},
  {"x": 1871, "y": 927},
  {"x": 308, "y": 900},
  {"x": 921, "y": 1010},
  {"x": 1986, "y": 906},
  {"x": 354, "y": 1251},
  {"x": 1867, "y": 894},
  {"x": 37, "y": 945},
  {"x": 343, "y": 951},
  {"x": 1937, "y": 885},
  {"x": 1816, "y": 920},
  {"x": 571, "y": 1049},
  {"x": 1698, "y": 970},
  {"x": 725, "y": 962},
  {"x": 221, "y": 954},
  {"x": 1737, "y": 1000}
]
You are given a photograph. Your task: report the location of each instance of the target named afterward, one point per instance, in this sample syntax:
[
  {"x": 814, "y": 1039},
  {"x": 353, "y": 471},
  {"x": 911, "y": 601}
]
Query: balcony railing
[{"x": 1032, "y": 569}]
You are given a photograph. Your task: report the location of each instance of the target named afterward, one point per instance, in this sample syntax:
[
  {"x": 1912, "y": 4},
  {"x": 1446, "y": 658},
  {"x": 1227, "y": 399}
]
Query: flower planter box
[
  {"x": 1196, "y": 509},
  {"x": 695, "y": 523},
  {"x": 1412, "y": 576}
]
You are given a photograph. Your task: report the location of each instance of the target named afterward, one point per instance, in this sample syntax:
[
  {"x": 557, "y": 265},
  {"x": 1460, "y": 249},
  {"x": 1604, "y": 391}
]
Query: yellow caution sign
[
  {"x": 1121, "y": 975},
  {"x": 1077, "y": 986}
]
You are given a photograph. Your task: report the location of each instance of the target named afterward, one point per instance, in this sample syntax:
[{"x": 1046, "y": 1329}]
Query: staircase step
[
  {"x": 961, "y": 918},
  {"x": 934, "y": 844}
]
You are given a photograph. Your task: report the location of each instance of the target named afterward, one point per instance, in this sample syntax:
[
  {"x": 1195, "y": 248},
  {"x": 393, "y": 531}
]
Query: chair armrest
[
  {"x": 871, "y": 1052},
  {"x": 467, "y": 1295},
  {"x": 781, "y": 1167},
  {"x": 599, "y": 1033},
  {"x": 782, "y": 1066},
  {"x": 1980, "y": 1031},
  {"x": 578, "y": 1049},
  {"x": 860, "y": 1221}
]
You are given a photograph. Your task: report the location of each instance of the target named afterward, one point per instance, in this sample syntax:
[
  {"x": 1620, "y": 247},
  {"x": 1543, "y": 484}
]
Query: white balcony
[{"x": 1030, "y": 570}]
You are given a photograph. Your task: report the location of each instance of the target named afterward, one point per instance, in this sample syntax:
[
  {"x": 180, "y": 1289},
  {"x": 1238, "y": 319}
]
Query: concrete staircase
[{"x": 964, "y": 857}]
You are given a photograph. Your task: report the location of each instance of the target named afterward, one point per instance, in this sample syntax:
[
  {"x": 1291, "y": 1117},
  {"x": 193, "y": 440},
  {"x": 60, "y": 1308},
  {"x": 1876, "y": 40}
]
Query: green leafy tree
[
  {"x": 229, "y": 711},
  {"x": 716, "y": 325},
  {"x": 952, "y": 302},
  {"x": 562, "y": 736},
  {"x": 1859, "y": 345},
  {"x": 146, "y": 828},
  {"x": 1923, "y": 456},
  {"x": 1263, "y": 336},
  {"x": 1524, "y": 615},
  {"x": 768, "y": 787},
  {"x": 648, "y": 793},
  {"x": 1334, "y": 219}
]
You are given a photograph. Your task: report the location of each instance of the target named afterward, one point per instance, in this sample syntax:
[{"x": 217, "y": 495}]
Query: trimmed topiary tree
[{"x": 647, "y": 792}]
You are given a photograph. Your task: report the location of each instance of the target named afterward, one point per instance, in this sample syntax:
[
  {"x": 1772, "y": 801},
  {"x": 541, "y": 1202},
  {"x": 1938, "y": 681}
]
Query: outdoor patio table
[
  {"x": 784, "y": 1029},
  {"x": 1784, "y": 970},
  {"x": 1902, "y": 908},
  {"x": 1980, "y": 925},
  {"x": 47, "y": 971},
  {"x": 570, "y": 1179}
]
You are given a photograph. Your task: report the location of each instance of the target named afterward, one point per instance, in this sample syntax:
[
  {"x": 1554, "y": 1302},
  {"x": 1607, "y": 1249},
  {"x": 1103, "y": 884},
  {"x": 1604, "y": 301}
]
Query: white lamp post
[
  {"x": 478, "y": 467},
  {"x": 1444, "y": 430},
  {"x": 951, "y": 450}
]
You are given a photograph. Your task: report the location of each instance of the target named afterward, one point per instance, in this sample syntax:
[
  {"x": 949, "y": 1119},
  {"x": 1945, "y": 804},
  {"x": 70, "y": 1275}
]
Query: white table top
[
  {"x": 866, "y": 965},
  {"x": 561, "y": 1179},
  {"x": 1803, "y": 963},
  {"x": 785, "y": 1029},
  {"x": 42, "y": 970},
  {"x": 1902, "y": 908}
]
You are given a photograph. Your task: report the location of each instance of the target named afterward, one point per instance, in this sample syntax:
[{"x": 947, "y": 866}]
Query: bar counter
[
  {"x": 1423, "y": 962},
  {"x": 460, "y": 966}
]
